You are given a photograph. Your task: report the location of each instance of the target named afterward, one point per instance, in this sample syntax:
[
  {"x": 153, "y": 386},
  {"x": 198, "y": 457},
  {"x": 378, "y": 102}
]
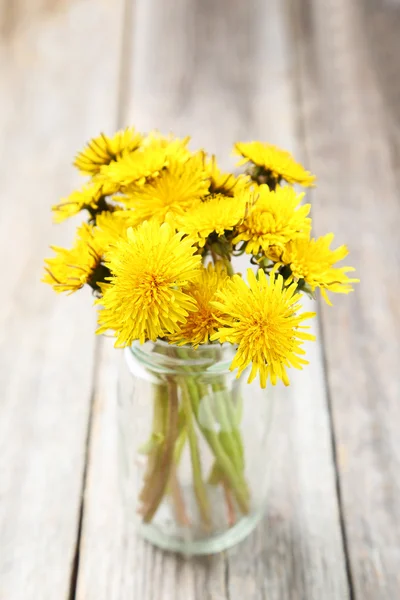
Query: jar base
[{"x": 211, "y": 545}]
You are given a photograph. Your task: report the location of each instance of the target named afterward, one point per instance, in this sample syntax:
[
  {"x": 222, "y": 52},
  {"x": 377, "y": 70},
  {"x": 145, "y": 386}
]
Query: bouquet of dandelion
[{"x": 162, "y": 225}]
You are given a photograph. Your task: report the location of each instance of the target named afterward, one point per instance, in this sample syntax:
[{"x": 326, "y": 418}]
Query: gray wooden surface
[{"x": 318, "y": 77}]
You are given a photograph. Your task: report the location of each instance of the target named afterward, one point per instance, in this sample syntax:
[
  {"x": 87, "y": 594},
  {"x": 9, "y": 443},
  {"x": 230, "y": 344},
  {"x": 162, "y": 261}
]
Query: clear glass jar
[{"x": 193, "y": 446}]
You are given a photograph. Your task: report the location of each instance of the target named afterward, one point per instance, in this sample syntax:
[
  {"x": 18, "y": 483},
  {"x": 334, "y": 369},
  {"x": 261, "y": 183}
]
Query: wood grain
[
  {"x": 348, "y": 83},
  {"x": 57, "y": 87},
  {"x": 222, "y": 71}
]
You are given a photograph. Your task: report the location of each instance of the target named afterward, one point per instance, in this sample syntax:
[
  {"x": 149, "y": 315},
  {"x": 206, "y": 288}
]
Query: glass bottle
[{"x": 193, "y": 446}]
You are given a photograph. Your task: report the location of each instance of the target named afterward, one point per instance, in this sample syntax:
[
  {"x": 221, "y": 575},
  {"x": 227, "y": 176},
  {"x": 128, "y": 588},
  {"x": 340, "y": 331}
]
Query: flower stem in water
[{"x": 163, "y": 468}]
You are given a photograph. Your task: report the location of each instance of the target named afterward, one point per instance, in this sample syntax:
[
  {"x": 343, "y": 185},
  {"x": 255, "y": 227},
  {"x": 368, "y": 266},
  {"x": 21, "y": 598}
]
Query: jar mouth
[
  {"x": 162, "y": 357},
  {"x": 165, "y": 344}
]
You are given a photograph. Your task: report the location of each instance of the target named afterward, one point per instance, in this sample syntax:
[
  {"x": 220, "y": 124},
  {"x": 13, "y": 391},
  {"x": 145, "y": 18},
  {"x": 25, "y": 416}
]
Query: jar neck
[{"x": 161, "y": 357}]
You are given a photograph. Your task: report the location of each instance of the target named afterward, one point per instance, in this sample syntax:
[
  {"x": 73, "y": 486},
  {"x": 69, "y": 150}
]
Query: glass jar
[{"x": 193, "y": 446}]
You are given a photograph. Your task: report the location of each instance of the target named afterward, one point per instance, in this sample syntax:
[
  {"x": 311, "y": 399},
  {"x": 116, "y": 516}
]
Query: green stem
[
  {"x": 225, "y": 414},
  {"x": 163, "y": 468},
  {"x": 178, "y": 499},
  {"x": 158, "y": 431},
  {"x": 235, "y": 479},
  {"x": 229, "y": 268},
  {"x": 229, "y": 434},
  {"x": 180, "y": 442},
  {"x": 198, "y": 392},
  {"x": 198, "y": 481}
]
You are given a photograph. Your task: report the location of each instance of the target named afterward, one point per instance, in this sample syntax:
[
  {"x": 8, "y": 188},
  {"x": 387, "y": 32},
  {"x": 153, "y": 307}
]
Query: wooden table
[{"x": 320, "y": 77}]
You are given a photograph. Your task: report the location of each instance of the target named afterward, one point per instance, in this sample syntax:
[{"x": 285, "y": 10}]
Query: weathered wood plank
[
  {"x": 221, "y": 71},
  {"x": 58, "y": 86},
  {"x": 349, "y": 75}
]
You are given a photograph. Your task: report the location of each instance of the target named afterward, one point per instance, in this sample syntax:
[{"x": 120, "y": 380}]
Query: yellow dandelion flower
[
  {"x": 103, "y": 149},
  {"x": 91, "y": 198},
  {"x": 262, "y": 319},
  {"x": 69, "y": 270},
  {"x": 176, "y": 189},
  {"x": 220, "y": 182},
  {"x": 144, "y": 299},
  {"x": 202, "y": 322},
  {"x": 313, "y": 261},
  {"x": 112, "y": 226},
  {"x": 173, "y": 147},
  {"x": 217, "y": 214},
  {"x": 135, "y": 168},
  {"x": 273, "y": 220},
  {"x": 275, "y": 164}
]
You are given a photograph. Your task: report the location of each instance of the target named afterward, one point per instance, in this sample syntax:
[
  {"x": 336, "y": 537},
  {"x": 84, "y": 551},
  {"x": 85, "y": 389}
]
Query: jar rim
[
  {"x": 197, "y": 361},
  {"x": 184, "y": 346}
]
